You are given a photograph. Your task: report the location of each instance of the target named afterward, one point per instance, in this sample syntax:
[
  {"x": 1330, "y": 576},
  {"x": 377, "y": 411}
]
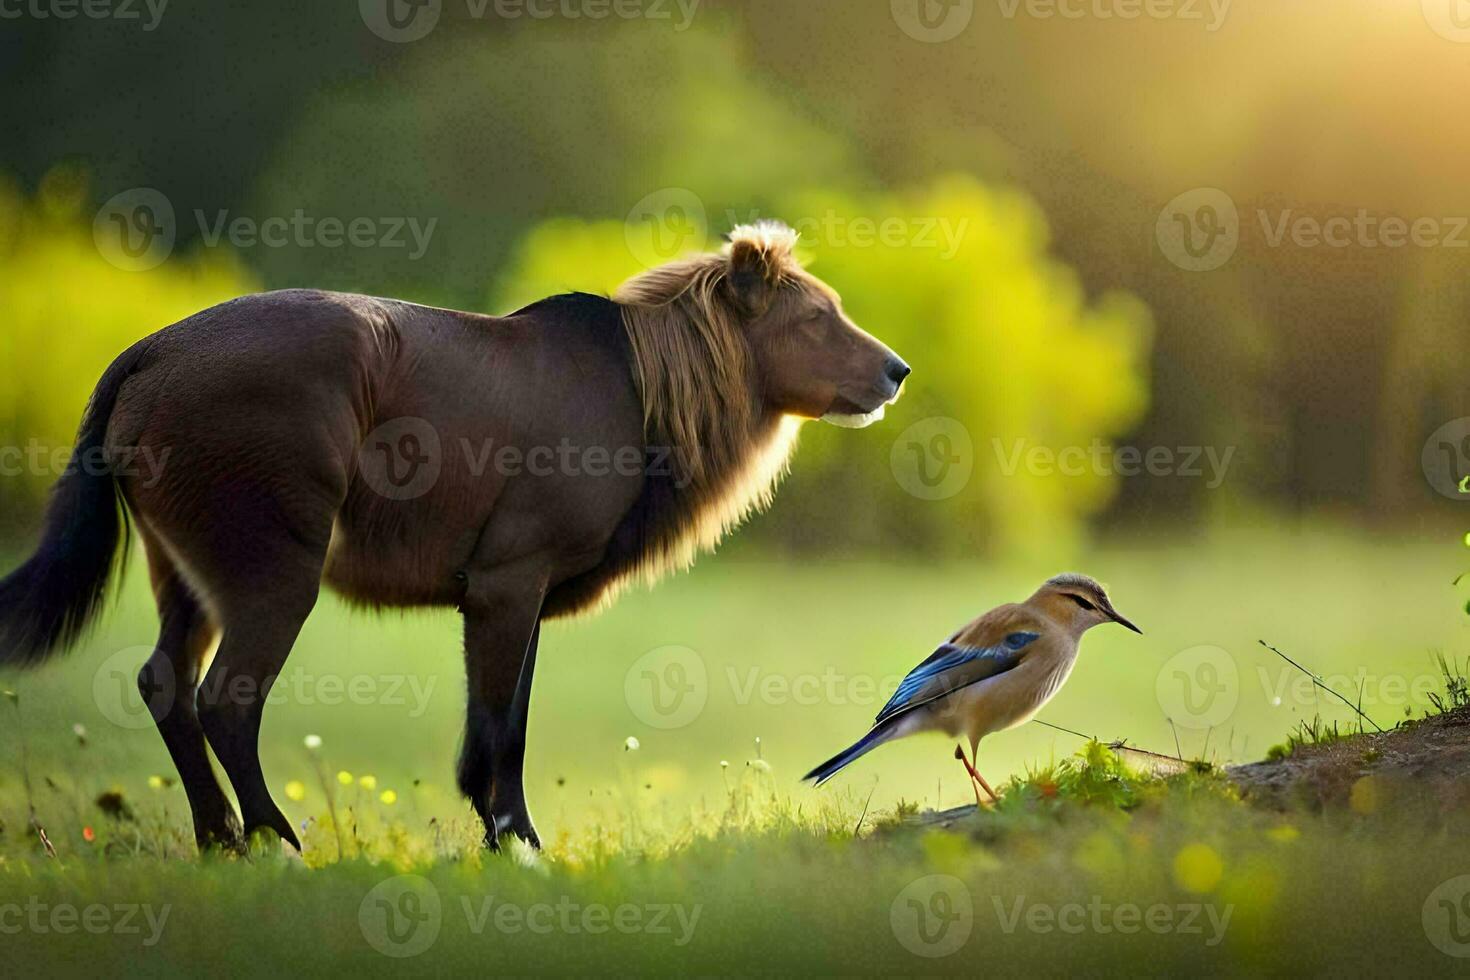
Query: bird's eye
[{"x": 1082, "y": 602}]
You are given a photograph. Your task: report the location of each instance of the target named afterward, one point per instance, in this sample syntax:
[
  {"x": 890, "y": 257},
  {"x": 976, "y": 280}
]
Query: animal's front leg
[
  {"x": 509, "y": 804},
  {"x": 501, "y": 619}
]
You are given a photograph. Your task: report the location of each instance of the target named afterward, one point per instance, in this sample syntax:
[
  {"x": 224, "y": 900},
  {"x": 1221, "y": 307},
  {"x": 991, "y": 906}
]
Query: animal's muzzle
[{"x": 894, "y": 371}]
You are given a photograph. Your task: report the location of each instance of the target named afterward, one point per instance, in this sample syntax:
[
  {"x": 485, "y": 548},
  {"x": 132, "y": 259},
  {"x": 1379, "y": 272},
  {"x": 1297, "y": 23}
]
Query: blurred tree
[{"x": 492, "y": 135}]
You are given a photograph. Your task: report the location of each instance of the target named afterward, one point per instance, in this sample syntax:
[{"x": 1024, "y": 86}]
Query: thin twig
[
  {"x": 1318, "y": 681},
  {"x": 25, "y": 776},
  {"x": 331, "y": 794},
  {"x": 1124, "y": 746},
  {"x": 1069, "y": 731},
  {"x": 1116, "y": 744},
  {"x": 864, "y": 815}
]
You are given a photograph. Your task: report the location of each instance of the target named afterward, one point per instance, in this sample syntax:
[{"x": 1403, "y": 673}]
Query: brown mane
[{"x": 701, "y": 399}]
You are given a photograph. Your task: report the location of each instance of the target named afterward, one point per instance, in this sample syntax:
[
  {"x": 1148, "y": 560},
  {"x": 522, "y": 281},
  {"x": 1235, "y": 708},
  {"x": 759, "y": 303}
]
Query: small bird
[{"x": 994, "y": 674}]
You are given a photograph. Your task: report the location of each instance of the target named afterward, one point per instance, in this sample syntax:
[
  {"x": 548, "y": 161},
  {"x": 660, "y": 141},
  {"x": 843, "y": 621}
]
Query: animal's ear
[
  {"x": 750, "y": 284},
  {"x": 758, "y": 255}
]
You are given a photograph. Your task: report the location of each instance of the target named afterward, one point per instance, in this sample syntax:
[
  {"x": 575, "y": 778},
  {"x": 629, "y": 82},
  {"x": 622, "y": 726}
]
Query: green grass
[{"x": 780, "y": 881}]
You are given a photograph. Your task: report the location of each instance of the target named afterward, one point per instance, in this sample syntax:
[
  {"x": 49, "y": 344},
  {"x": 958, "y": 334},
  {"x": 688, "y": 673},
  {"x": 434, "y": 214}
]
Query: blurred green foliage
[
  {"x": 68, "y": 313},
  {"x": 495, "y": 135}
]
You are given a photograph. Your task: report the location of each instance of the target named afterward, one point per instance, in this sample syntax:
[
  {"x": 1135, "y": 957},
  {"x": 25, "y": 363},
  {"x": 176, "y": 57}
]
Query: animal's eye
[
  {"x": 814, "y": 326},
  {"x": 1082, "y": 602}
]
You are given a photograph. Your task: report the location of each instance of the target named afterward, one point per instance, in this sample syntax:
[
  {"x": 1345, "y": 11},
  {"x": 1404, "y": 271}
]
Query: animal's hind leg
[
  {"x": 261, "y": 450},
  {"x": 262, "y": 617},
  {"x": 167, "y": 683}
]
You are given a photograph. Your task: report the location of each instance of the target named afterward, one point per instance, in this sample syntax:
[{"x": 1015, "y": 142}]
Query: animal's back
[
  {"x": 388, "y": 414},
  {"x": 254, "y": 356}
]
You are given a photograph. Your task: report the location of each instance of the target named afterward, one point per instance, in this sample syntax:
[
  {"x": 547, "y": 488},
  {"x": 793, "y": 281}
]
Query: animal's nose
[{"x": 896, "y": 369}]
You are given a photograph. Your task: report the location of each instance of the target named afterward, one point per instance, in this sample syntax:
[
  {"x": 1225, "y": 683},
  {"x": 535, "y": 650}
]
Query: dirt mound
[
  {"x": 1427, "y": 760},
  {"x": 1423, "y": 764}
]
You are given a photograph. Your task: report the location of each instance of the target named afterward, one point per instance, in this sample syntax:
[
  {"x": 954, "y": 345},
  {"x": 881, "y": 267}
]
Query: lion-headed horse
[{"x": 518, "y": 468}]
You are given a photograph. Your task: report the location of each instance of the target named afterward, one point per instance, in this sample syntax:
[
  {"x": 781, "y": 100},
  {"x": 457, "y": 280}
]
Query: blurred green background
[{"x": 992, "y": 204}]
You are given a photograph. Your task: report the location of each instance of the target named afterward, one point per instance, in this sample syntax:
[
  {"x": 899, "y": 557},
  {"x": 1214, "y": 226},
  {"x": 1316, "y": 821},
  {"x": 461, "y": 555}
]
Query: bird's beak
[{"x": 1122, "y": 620}]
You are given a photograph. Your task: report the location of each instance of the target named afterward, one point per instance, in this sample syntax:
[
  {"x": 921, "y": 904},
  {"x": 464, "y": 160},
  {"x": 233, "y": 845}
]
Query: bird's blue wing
[{"x": 951, "y": 667}]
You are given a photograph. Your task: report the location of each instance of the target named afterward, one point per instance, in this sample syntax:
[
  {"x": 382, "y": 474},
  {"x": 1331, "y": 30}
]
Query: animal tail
[
  {"x": 851, "y": 754},
  {"x": 47, "y": 603}
]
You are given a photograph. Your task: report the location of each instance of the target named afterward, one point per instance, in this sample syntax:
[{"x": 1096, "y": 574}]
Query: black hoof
[
  {"x": 288, "y": 834},
  {"x": 528, "y": 834},
  {"x": 278, "y": 826},
  {"x": 265, "y": 842},
  {"x": 222, "y": 834},
  {"x": 506, "y": 826}
]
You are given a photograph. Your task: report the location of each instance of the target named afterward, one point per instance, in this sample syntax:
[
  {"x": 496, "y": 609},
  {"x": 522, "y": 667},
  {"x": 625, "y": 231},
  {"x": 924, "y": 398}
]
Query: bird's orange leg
[{"x": 959, "y": 753}]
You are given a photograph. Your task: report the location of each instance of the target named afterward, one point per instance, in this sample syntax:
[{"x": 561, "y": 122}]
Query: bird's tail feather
[{"x": 852, "y": 753}]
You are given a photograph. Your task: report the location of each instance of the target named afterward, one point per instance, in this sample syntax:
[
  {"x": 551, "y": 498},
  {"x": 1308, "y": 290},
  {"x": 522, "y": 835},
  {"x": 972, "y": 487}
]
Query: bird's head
[{"x": 1079, "y": 603}]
